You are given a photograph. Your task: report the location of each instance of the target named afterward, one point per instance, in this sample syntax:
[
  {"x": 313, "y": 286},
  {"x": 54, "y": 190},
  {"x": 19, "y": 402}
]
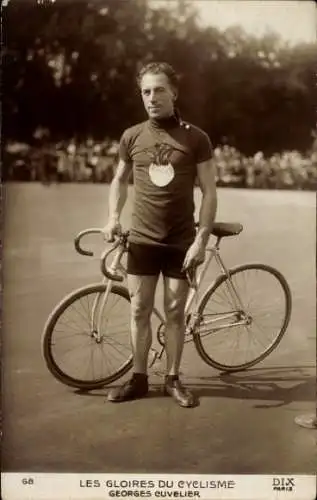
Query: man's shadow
[{"x": 275, "y": 386}]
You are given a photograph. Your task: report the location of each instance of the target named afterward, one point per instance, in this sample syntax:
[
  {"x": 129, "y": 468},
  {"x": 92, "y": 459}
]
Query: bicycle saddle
[{"x": 222, "y": 229}]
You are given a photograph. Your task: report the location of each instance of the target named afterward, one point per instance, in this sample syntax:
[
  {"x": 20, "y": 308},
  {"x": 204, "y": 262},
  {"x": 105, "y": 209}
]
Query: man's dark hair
[{"x": 159, "y": 67}]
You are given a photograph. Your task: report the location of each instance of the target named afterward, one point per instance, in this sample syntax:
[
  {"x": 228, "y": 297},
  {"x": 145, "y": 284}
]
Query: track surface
[{"x": 245, "y": 422}]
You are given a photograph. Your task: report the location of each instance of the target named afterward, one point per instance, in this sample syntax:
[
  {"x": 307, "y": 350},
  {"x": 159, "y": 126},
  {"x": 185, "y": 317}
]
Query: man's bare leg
[
  {"x": 142, "y": 294},
  {"x": 175, "y": 295}
]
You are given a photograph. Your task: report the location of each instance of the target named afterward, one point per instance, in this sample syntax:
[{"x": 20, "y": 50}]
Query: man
[{"x": 166, "y": 155}]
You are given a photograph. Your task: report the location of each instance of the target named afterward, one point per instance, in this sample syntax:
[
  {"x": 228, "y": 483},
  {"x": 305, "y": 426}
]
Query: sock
[
  {"x": 140, "y": 377},
  {"x": 169, "y": 379}
]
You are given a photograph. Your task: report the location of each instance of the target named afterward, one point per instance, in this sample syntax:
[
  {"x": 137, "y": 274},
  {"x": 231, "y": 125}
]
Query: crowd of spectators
[
  {"x": 67, "y": 161},
  {"x": 286, "y": 170},
  {"x": 92, "y": 161}
]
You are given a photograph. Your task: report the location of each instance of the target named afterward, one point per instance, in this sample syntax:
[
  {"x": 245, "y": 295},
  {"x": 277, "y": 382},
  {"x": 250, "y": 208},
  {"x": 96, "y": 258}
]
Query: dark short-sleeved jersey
[{"x": 164, "y": 170}]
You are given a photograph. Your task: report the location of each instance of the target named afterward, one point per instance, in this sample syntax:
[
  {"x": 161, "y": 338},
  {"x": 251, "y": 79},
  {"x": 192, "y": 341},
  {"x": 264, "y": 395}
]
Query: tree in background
[{"x": 69, "y": 67}]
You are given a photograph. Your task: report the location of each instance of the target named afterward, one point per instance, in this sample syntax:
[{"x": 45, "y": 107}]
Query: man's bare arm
[
  {"x": 208, "y": 208},
  {"x": 207, "y": 214},
  {"x": 117, "y": 198},
  {"x": 119, "y": 190}
]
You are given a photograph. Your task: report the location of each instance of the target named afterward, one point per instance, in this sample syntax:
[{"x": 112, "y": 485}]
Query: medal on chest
[
  {"x": 161, "y": 170},
  {"x": 161, "y": 175}
]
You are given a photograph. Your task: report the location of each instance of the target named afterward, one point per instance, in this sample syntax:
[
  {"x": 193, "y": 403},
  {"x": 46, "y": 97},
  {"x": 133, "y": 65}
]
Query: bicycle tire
[
  {"x": 49, "y": 337},
  {"x": 210, "y": 295}
]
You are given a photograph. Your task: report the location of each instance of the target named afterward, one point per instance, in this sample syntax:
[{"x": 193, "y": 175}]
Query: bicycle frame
[
  {"x": 212, "y": 253},
  {"x": 212, "y": 309},
  {"x": 191, "y": 311}
]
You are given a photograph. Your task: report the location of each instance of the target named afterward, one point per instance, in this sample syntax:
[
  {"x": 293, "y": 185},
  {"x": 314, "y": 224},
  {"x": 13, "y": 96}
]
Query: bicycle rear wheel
[
  {"x": 232, "y": 338},
  {"x": 72, "y": 350}
]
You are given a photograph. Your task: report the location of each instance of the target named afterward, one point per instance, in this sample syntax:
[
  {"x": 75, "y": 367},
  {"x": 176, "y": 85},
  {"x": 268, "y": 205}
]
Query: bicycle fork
[{"x": 97, "y": 312}]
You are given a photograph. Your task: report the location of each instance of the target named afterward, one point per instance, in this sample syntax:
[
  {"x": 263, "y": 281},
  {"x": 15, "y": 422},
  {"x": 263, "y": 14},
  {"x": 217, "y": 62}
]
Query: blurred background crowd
[
  {"x": 92, "y": 161},
  {"x": 69, "y": 91}
]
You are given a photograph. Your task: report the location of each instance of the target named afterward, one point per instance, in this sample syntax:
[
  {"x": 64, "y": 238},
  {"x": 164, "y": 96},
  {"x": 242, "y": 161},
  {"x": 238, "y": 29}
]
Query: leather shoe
[
  {"x": 180, "y": 394},
  {"x": 135, "y": 388}
]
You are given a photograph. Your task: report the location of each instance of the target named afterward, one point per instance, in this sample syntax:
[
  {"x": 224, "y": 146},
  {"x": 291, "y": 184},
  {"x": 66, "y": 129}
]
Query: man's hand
[
  {"x": 112, "y": 228},
  {"x": 195, "y": 255}
]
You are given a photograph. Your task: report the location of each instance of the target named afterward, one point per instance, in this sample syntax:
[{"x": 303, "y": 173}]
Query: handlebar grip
[
  {"x": 81, "y": 250},
  {"x": 78, "y": 238},
  {"x": 108, "y": 274}
]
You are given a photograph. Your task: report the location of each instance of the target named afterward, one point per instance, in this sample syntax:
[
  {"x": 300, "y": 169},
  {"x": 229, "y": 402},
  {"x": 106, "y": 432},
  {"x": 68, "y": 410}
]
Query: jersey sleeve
[
  {"x": 124, "y": 148},
  {"x": 203, "y": 147}
]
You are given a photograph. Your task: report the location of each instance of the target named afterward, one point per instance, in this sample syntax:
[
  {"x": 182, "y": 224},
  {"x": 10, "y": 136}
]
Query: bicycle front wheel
[
  {"x": 76, "y": 351},
  {"x": 235, "y": 334}
]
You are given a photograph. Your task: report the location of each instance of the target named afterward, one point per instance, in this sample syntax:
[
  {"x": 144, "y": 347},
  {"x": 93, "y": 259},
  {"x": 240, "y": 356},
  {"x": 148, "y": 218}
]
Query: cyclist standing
[{"x": 166, "y": 155}]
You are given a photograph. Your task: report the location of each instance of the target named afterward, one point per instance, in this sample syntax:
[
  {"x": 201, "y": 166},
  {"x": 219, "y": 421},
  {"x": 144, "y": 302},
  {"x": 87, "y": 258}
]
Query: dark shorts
[{"x": 151, "y": 260}]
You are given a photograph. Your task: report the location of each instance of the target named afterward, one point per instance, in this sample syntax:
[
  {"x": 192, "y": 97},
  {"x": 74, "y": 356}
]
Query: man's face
[{"x": 158, "y": 95}]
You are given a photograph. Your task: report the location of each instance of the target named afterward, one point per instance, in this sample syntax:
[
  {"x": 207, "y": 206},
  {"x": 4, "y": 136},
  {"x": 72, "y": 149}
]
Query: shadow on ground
[{"x": 275, "y": 386}]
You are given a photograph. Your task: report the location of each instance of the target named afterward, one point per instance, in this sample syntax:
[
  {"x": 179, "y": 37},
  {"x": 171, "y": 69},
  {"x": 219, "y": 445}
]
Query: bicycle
[{"x": 223, "y": 321}]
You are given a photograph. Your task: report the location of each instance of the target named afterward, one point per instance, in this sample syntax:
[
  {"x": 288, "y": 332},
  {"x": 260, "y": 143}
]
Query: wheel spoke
[
  {"x": 107, "y": 360},
  {"x": 75, "y": 356},
  {"x": 266, "y": 304},
  {"x": 71, "y": 335},
  {"x": 70, "y": 350},
  {"x": 69, "y": 325}
]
